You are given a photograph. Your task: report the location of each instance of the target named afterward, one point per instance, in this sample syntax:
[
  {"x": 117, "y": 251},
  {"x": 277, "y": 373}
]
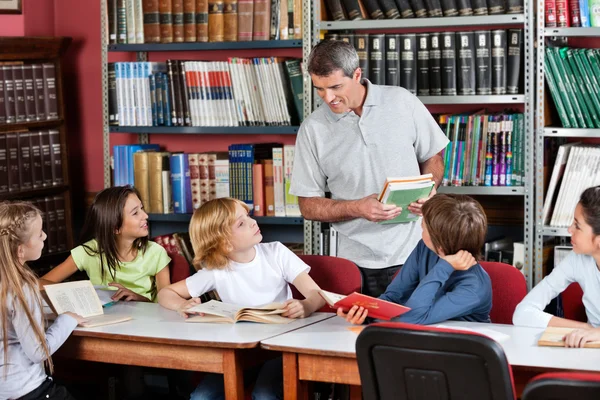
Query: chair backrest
[
  {"x": 333, "y": 274},
  {"x": 412, "y": 362},
  {"x": 572, "y": 303},
  {"x": 508, "y": 289},
  {"x": 563, "y": 385}
]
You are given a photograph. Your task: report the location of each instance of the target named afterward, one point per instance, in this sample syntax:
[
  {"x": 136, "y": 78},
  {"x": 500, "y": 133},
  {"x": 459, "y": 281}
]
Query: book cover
[
  {"x": 202, "y": 20},
  {"x": 245, "y": 20},
  {"x": 28, "y": 84},
  {"x": 4, "y": 168},
  {"x": 448, "y": 63},
  {"x": 177, "y": 12},
  {"x": 262, "y": 20},
  {"x": 180, "y": 183},
  {"x": 435, "y": 65},
  {"x": 423, "y": 64},
  {"x": 483, "y": 63},
  {"x": 465, "y": 64},
  {"x": 379, "y": 309},
  {"x": 38, "y": 87},
  {"x": 513, "y": 60},
  {"x": 392, "y": 60},
  {"x": 402, "y": 192},
  {"x": 218, "y": 312},
  {"x": 230, "y": 20},
  {"x": 51, "y": 226},
  {"x": 19, "y": 88},
  {"x": 499, "y": 61},
  {"x": 189, "y": 20},
  {"x": 25, "y": 174},
  {"x": 9, "y": 94},
  {"x": 62, "y": 241},
  {"x": 554, "y": 336},
  {"x": 376, "y": 59},
  {"x": 550, "y": 13},
  {"x": 408, "y": 62},
  {"x": 50, "y": 102},
  {"x": 2, "y": 98},
  {"x": 151, "y": 21}
]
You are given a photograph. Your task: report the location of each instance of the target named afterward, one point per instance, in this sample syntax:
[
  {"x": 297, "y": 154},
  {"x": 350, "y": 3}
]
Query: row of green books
[{"x": 573, "y": 76}]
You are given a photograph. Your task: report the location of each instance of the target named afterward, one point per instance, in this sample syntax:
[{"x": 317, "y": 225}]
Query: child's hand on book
[
  {"x": 80, "y": 320},
  {"x": 461, "y": 261},
  {"x": 416, "y": 207},
  {"x": 579, "y": 337},
  {"x": 295, "y": 309},
  {"x": 373, "y": 210},
  {"x": 182, "y": 309},
  {"x": 125, "y": 294},
  {"x": 356, "y": 315}
]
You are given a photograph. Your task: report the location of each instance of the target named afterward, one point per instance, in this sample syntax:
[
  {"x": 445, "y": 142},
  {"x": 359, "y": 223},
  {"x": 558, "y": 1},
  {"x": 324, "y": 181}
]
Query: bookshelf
[
  {"x": 41, "y": 175},
  {"x": 522, "y": 100},
  {"x": 285, "y": 229},
  {"x": 552, "y": 36}
]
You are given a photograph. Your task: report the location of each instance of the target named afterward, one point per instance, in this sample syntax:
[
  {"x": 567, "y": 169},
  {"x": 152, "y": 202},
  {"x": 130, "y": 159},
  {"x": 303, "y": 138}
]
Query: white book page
[
  {"x": 330, "y": 297},
  {"x": 105, "y": 293},
  {"x": 78, "y": 297},
  {"x": 216, "y": 308}
]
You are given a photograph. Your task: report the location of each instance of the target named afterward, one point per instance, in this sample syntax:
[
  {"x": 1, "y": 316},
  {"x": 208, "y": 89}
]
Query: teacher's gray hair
[{"x": 329, "y": 56}]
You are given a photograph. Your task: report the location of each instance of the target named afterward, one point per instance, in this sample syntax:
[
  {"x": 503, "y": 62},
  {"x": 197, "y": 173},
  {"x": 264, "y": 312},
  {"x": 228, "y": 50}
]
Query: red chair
[
  {"x": 508, "y": 289},
  {"x": 563, "y": 385},
  {"x": 572, "y": 303},
  {"x": 413, "y": 362},
  {"x": 333, "y": 274}
]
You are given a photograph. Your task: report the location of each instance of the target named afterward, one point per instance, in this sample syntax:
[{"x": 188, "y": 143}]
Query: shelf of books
[
  {"x": 571, "y": 132},
  {"x": 568, "y": 97},
  {"x": 454, "y": 56},
  {"x": 156, "y": 98},
  {"x": 207, "y": 46},
  {"x": 439, "y": 22},
  {"x": 33, "y": 147}
]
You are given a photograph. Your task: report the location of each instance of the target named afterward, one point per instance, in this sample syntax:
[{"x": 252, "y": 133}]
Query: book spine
[
  {"x": 262, "y": 20},
  {"x": 37, "y": 177},
  {"x": 38, "y": 87},
  {"x": 51, "y": 225},
  {"x": 12, "y": 147},
  {"x": 480, "y": 7},
  {"x": 495, "y": 7},
  {"x": 2, "y": 98},
  {"x": 449, "y": 8},
  {"x": 376, "y": 59},
  {"x": 353, "y": 9},
  {"x": 50, "y": 91},
  {"x": 362, "y": 48},
  {"x": 434, "y": 8},
  {"x": 562, "y": 13},
  {"x": 56, "y": 157},
  {"x": 499, "y": 61},
  {"x": 405, "y": 9},
  {"x": 435, "y": 64},
  {"x": 464, "y": 8},
  {"x": 178, "y": 34},
  {"x": 165, "y": 10},
  {"x": 19, "y": 94},
  {"x": 423, "y": 64},
  {"x": 373, "y": 9},
  {"x": 4, "y": 168},
  {"x": 151, "y": 21},
  {"x": 348, "y": 38},
  {"x": 408, "y": 62},
  {"x": 9, "y": 94},
  {"x": 113, "y": 110},
  {"x": 574, "y": 13},
  {"x": 25, "y": 174},
  {"x": 121, "y": 22},
  {"x": 173, "y": 92},
  {"x": 61, "y": 224},
  {"x": 513, "y": 60},
  {"x": 245, "y": 20},
  {"x": 448, "y": 64},
  {"x": 550, "y": 13},
  {"x": 30, "y": 112},
  {"x": 483, "y": 63},
  {"x": 392, "y": 60},
  {"x": 390, "y": 11},
  {"x": 112, "y": 21},
  {"x": 335, "y": 9},
  {"x": 183, "y": 110},
  {"x": 418, "y": 7},
  {"x": 189, "y": 20},
  {"x": 180, "y": 184},
  {"x": 230, "y": 20},
  {"x": 466, "y": 64},
  {"x": 202, "y": 20},
  {"x": 516, "y": 6}
]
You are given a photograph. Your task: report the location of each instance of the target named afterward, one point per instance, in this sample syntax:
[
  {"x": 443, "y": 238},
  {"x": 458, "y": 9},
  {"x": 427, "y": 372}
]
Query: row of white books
[{"x": 577, "y": 167}]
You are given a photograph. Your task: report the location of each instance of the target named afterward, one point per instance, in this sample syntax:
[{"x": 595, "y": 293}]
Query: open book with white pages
[{"x": 216, "y": 311}]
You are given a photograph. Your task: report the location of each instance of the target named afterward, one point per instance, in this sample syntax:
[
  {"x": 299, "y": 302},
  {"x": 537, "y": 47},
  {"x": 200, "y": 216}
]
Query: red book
[
  {"x": 563, "y": 19},
  {"x": 379, "y": 309},
  {"x": 550, "y": 6}
]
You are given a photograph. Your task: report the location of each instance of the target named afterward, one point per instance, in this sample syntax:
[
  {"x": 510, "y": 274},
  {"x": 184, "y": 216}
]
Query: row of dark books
[
  {"x": 54, "y": 222},
  {"x": 484, "y": 150},
  {"x": 442, "y": 63},
  {"x": 240, "y": 92},
  {"x": 340, "y": 10},
  {"x": 27, "y": 93},
  {"x": 573, "y": 77},
  {"x": 572, "y": 13},
  {"x": 177, "y": 21},
  {"x": 30, "y": 160}
]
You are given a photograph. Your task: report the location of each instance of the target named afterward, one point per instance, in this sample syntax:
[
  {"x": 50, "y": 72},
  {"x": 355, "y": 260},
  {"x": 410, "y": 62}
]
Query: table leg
[
  {"x": 355, "y": 392},
  {"x": 293, "y": 387},
  {"x": 233, "y": 375}
]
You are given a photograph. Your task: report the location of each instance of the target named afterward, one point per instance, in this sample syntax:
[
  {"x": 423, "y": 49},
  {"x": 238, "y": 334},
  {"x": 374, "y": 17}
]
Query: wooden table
[
  {"x": 325, "y": 352},
  {"x": 160, "y": 338}
]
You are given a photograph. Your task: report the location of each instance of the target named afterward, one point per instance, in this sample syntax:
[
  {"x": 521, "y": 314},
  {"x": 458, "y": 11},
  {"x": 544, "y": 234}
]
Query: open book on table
[
  {"x": 216, "y": 311},
  {"x": 402, "y": 192},
  {"x": 379, "y": 309},
  {"x": 81, "y": 298},
  {"x": 553, "y": 337}
]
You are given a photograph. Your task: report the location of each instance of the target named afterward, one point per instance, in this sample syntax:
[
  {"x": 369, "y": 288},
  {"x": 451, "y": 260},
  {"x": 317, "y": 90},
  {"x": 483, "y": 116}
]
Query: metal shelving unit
[
  {"x": 252, "y": 45},
  {"x": 312, "y": 13},
  {"x": 207, "y": 130},
  {"x": 571, "y": 132},
  {"x": 444, "y": 22},
  {"x": 483, "y": 190},
  {"x": 542, "y": 132}
]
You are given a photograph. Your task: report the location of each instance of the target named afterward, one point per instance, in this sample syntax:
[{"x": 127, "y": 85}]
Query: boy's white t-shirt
[
  {"x": 575, "y": 267},
  {"x": 261, "y": 281}
]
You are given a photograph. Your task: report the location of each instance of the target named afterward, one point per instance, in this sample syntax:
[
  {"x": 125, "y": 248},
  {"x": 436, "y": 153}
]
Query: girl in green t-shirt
[{"x": 115, "y": 249}]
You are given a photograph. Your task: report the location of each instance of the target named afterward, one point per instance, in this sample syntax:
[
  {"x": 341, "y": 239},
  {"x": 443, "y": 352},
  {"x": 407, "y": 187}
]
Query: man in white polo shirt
[{"x": 363, "y": 134}]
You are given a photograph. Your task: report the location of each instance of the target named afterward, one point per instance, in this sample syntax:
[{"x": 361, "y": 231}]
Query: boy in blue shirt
[{"x": 441, "y": 279}]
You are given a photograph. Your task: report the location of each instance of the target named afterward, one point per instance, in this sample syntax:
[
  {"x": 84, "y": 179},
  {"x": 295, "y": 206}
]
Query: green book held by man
[{"x": 402, "y": 192}]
